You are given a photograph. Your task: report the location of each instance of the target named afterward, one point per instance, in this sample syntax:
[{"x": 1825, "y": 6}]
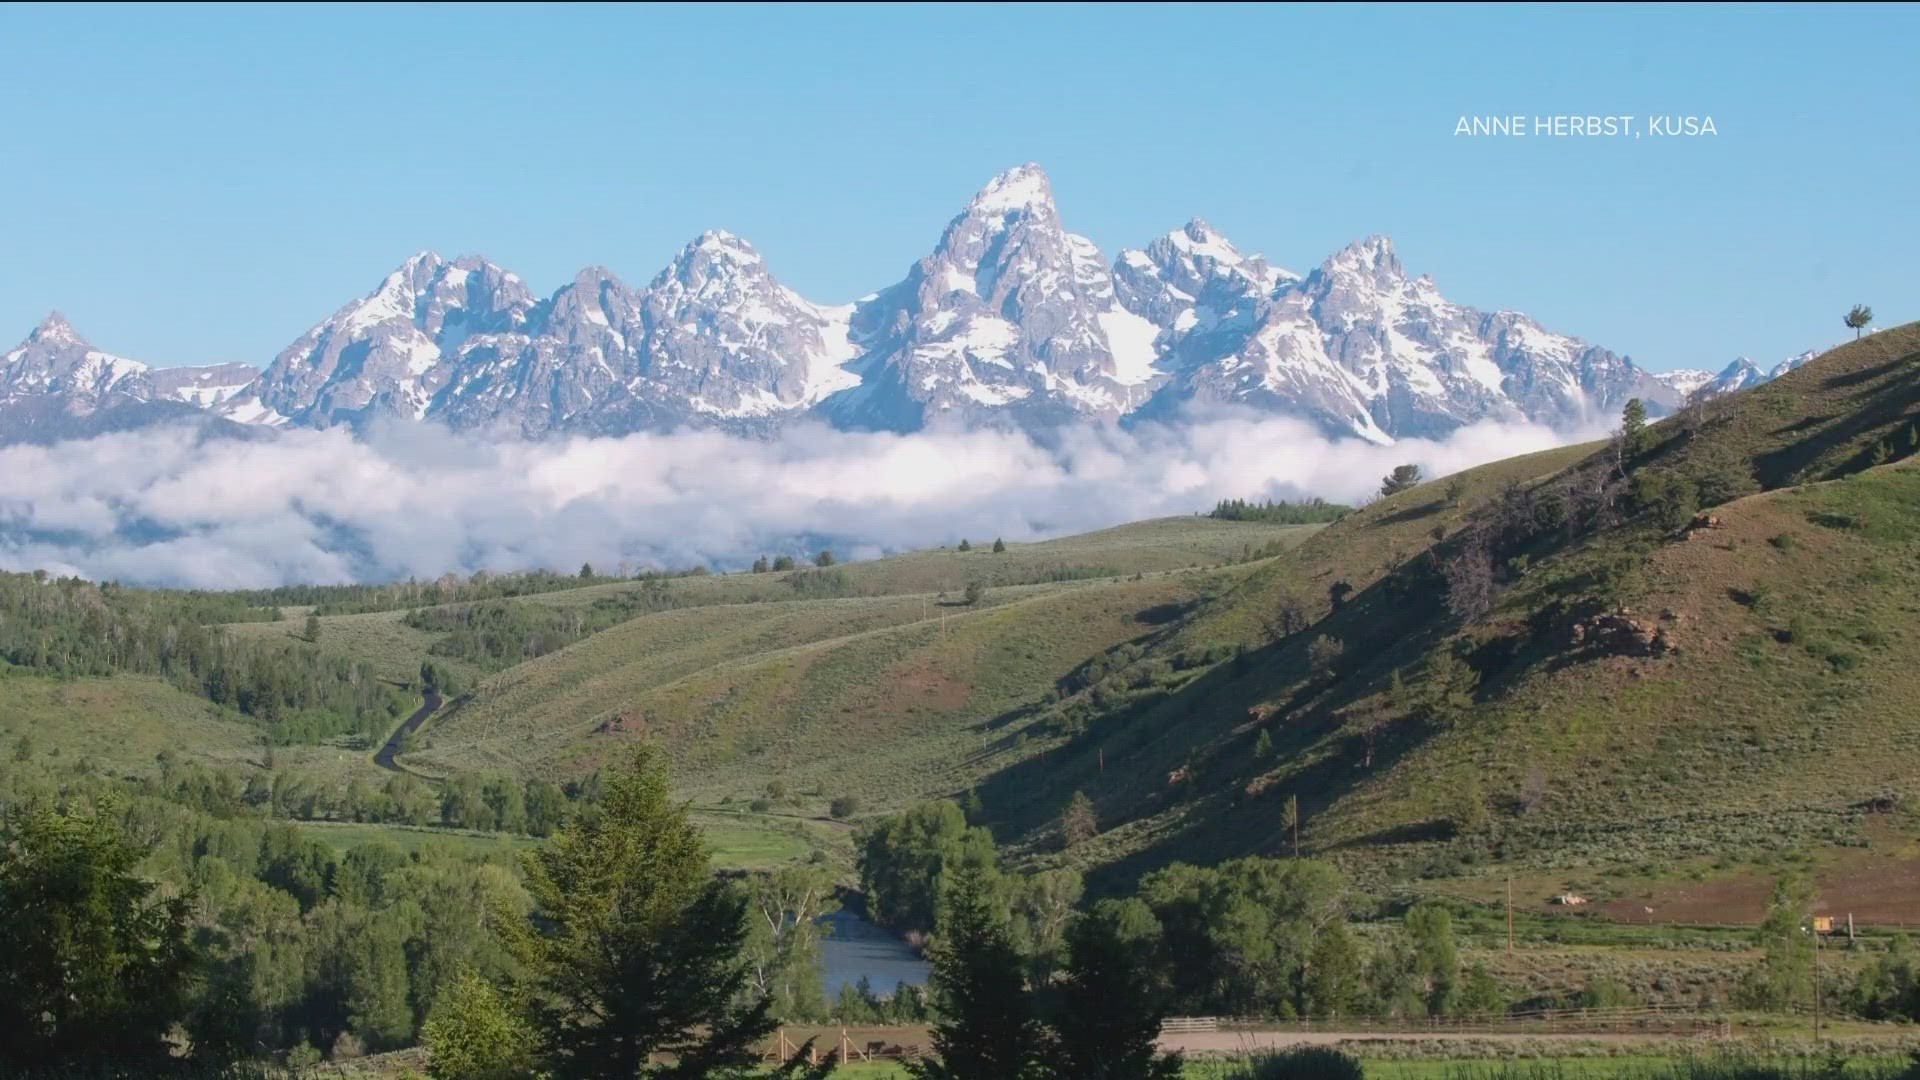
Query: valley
[{"x": 1612, "y": 708}]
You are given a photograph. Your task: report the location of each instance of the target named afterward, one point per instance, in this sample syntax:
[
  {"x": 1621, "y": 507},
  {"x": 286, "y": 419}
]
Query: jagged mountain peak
[
  {"x": 716, "y": 261},
  {"x": 1372, "y": 255},
  {"x": 55, "y": 329},
  {"x": 1023, "y": 188}
]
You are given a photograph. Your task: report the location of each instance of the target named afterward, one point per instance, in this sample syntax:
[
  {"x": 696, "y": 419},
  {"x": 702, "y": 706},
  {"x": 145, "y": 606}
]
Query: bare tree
[{"x": 1470, "y": 578}]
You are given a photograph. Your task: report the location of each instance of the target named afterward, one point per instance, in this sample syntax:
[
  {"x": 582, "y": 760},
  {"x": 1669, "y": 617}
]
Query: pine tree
[
  {"x": 1079, "y": 824},
  {"x": 633, "y": 946},
  {"x": 964, "y": 546},
  {"x": 586, "y": 571},
  {"x": 474, "y": 1033},
  {"x": 1858, "y": 318},
  {"x": 760, "y": 565},
  {"x": 987, "y": 1029},
  {"x": 825, "y": 558},
  {"x": 1263, "y": 746},
  {"x": 1106, "y": 1025},
  {"x": 92, "y": 960},
  {"x": 1633, "y": 426},
  {"x": 1290, "y": 820},
  {"x": 313, "y": 630},
  {"x": 999, "y": 546},
  {"x": 1400, "y": 479}
]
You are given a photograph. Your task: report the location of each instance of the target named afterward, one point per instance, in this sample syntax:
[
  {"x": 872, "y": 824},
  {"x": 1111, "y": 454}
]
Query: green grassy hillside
[
  {"x": 1785, "y": 708},
  {"x": 887, "y": 698}
]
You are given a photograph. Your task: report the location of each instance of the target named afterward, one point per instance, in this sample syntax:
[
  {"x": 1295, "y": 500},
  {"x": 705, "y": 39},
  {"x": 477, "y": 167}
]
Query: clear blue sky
[{"x": 202, "y": 184}]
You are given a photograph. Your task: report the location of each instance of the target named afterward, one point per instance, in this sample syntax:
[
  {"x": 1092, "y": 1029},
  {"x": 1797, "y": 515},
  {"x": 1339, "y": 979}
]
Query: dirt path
[
  {"x": 1229, "y": 1042},
  {"x": 428, "y": 707}
]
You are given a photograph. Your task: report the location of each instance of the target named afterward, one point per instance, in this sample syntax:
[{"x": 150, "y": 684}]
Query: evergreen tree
[
  {"x": 1633, "y": 426},
  {"x": 91, "y": 960},
  {"x": 313, "y": 630},
  {"x": 586, "y": 571},
  {"x": 825, "y": 558},
  {"x": 1858, "y": 319},
  {"x": 760, "y": 565},
  {"x": 999, "y": 546},
  {"x": 987, "y": 1029},
  {"x": 633, "y": 946},
  {"x": 964, "y": 546},
  {"x": 1106, "y": 1025},
  {"x": 1400, "y": 479},
  {"x": 1263, "y": 746},
  {"x": 1290, "y": 820},
  {"x": 973, "y": 593},
  {"x": 1079, "y": 824},
  {"x": 475, "y": 1033},
  {"x": 782, "y": 562}
]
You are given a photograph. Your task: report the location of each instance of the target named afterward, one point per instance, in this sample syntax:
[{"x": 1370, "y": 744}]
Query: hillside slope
[{"x": 1756, "y": 694}]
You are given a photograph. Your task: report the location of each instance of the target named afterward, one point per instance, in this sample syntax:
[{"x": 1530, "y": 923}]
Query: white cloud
[{"x": 167, "y": 507}]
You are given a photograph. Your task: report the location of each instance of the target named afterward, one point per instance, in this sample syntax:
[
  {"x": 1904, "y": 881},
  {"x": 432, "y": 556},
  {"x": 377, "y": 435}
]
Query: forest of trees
[
  {"x": 497, "y": 634},
  {"x": 70, "y": 627},
  {"x": 446, "y": 589},
  {"x": 137, "y": 923},
  {"x": 1305, "y": 512}
]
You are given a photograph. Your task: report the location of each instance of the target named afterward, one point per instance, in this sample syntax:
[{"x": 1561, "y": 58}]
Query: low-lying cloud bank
[{"x": 167, "y": 507}]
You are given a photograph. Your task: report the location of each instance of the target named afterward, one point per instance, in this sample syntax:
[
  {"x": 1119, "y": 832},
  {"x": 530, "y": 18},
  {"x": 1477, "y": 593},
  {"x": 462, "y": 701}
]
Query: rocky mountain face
[
  {"x": 55, "y": 384},
  {"x": 1011, "y": 316},
  {"x": 1010, "y": 319},
  {"x": 1360, "y": 347}
]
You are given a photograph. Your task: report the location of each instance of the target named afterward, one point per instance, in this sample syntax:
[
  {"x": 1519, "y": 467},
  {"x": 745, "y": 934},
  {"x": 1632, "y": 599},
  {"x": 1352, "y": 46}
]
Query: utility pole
[
  {"x": 1509, "y": 912},
  {"x": 1816, "y": 983}
]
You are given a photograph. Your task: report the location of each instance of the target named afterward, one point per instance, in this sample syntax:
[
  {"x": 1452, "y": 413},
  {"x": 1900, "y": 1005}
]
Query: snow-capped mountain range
[
  {"x": 1738, "y": 375},
  {"x": 1010, "y": 319}
]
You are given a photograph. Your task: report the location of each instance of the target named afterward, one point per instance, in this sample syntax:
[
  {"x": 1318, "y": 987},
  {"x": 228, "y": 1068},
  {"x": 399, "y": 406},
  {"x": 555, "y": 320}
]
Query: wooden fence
[{"x": 877, "y": 1043}]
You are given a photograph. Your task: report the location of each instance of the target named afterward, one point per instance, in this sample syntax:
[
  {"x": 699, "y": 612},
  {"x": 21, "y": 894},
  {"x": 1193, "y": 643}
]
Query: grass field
[
  {"x": 119, "y": 724},
  {"x": 1783, "y": 715},
  {"x": 379, "y": 638},
  {"x": 889, "y": 698}
]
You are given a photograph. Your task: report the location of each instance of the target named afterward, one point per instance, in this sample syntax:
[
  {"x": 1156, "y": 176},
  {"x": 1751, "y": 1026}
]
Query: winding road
[{"x": 430, "y": 705}]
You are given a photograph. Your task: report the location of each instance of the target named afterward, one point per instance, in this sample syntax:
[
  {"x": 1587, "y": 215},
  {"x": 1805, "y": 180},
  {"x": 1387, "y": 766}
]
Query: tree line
[
  {"x": 72, "y": 628},
  {"x": 138, "y": 927},
  {"x": 1312, "y": 511}
]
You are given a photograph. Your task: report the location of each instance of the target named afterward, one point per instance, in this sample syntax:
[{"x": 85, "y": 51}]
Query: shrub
[
  {"x": 844, "y": 807},
  {"x": 1300, "y": 1063}
]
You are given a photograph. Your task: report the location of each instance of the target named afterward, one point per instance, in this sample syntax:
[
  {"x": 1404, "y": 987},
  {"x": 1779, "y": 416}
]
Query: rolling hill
[{"x": 1623, "y": 683}]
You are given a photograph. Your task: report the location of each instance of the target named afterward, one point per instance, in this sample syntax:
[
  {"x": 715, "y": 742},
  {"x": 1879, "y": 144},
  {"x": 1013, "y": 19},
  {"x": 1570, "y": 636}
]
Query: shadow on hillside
[
  {"x": 1190, "y": 749},
  {"x": 1883, "y": 400},
  {"x": 1412, "y": 513}
]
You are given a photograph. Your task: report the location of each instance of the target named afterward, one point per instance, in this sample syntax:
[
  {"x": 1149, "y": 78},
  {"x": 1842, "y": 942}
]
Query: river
[{"x": 854, "y": 947}]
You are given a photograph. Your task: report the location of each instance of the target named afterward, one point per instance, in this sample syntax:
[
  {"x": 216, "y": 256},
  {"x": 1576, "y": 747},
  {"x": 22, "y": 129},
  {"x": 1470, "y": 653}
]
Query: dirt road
[{"x": 430, "y": 705}]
